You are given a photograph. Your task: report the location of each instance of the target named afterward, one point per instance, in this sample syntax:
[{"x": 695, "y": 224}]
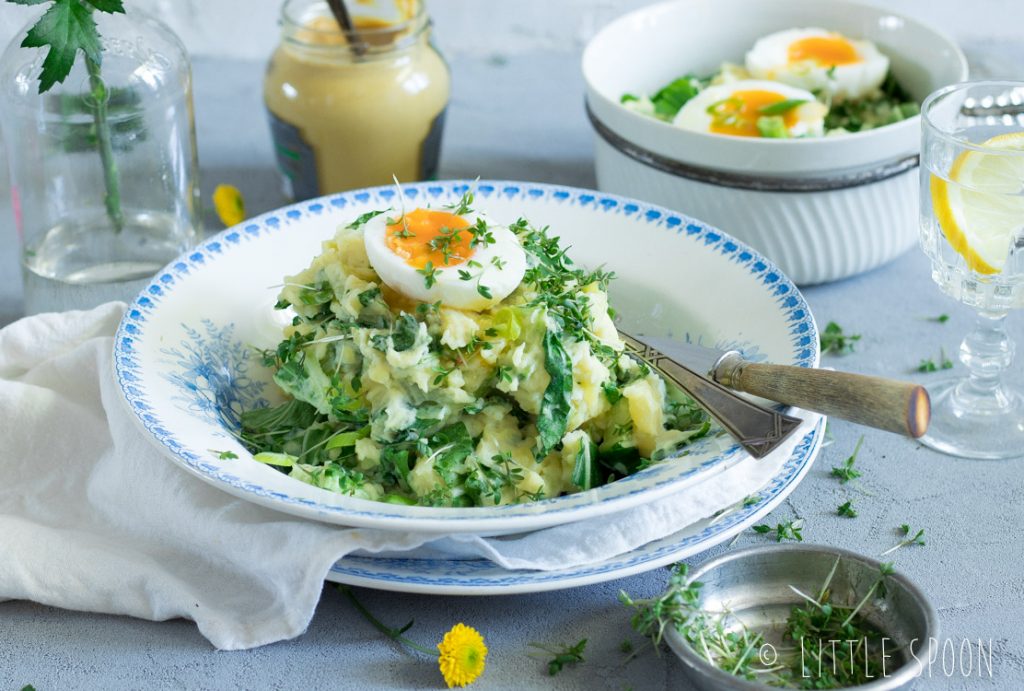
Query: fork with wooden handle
[{"x": 886, "y": 404}]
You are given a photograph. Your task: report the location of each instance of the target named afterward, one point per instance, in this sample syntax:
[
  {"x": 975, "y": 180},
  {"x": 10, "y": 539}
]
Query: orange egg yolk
[
  {"x": 426, "y": 235},
  {"x": 738, "y": 114},
  {"x": 824, "y": 51}
]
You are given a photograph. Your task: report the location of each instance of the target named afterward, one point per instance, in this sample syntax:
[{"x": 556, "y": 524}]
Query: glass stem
[
  {"x": 987, "y": 352},
  {"x": 112, "y": 198}
]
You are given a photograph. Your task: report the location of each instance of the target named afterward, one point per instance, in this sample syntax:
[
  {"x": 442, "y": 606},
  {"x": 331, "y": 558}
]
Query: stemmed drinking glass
[{"x": 972, "y": 229}]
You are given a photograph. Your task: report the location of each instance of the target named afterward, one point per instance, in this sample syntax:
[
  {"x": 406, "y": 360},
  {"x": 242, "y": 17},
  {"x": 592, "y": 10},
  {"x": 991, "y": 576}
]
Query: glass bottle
[
  {"x": 348, "y": 112},
  {"x": 103, "y": 167}
]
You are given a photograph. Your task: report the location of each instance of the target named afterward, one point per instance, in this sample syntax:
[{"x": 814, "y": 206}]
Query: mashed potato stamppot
[{"x": 439, "y": 358}]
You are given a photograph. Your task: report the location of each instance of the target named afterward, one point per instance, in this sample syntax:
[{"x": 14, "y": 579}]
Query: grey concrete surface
[{"x": 521, "y": 118}]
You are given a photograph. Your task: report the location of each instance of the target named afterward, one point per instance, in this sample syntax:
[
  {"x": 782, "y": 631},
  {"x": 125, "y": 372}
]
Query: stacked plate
[{"x": 186, "y": 365}]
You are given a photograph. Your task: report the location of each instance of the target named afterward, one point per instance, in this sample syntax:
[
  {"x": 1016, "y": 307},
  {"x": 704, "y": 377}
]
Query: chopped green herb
[
  {"x": 790, "y": 530},
  {"x": 363, "y": 218},
  {"x": 930, "y": 366},
  {"x": 847, "y": 510},
  {"x": 772, "y": 127},
  {"x": 628, "y": 98},
  {"x": 834, "y": 341},
  {"x": 782, "y": 107},
  {"x": 846, "y": 471},
  {"x": 224, "y": 455},
  {"x": 941, "y": 319},
  {"x": 674, "y": 95},
  {"x": 429, "y": 274},
  {"x": 905, "y": 530},
  {"x": 563, "y": 654}
]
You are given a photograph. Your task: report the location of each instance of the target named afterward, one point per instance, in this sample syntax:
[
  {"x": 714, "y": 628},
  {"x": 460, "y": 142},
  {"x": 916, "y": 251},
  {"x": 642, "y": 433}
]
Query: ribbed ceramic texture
[{"x": 814, "y": 237}]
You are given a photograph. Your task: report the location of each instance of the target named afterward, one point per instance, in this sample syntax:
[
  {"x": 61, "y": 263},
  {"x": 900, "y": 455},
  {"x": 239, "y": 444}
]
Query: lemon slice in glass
[{"x": 983, "y": 210}]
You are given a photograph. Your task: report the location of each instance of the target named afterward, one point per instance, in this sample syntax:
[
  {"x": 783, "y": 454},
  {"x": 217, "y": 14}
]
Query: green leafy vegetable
[
  {"x": 404, "y": 333},
  {"x": 554, "y": 406},
  {"x": 834, "y": 341},
  {"x": 584, "y": 471}
]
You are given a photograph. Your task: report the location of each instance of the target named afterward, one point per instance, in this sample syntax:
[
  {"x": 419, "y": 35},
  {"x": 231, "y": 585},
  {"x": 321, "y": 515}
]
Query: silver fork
[{"x": 758, "y": 430}]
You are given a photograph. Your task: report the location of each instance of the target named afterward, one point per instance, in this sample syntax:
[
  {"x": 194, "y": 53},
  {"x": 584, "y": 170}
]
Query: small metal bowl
[{"x": 754, "y": 586}]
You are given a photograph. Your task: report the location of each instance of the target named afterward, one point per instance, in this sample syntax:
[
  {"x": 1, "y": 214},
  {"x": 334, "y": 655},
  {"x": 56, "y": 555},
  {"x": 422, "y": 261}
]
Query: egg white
[
  {"x": 450, "y": 289},
  {"x": 810, "y": 116},
  {"x": 769, "y": 59}
]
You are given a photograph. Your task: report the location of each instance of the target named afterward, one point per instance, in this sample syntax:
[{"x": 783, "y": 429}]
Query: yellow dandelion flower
[
  {"x": 462, "y": 655},
  {"x": 230, "y": 206}
]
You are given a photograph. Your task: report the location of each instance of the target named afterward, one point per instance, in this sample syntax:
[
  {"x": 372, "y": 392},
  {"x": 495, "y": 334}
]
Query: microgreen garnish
[
  {"x": 403, "y": 232},
  {"x": 809, "y": 656},
  {"x": 481, "y": 233},
  {"x": 462, "y": 207},
  {"x": 443, "y": 243},
  {"x": 790, "y": 530},
  {"x": 831, "y": 72},
  {"x": 429, "y": 274},
  {"x": 497, "y": 262},
  {"x": 847, "y": 510},
  {"x": 484, "y": 291},
  {"x": 751, "y": 500},
  {"x": 941, "y": 319},
  {"x": 846, "y": 472},
  {"x": 363, "y": 218},
  {"x": 930, "y": 366},
  {"x": 558, "y": 656},
  {"x": 224, "y": 455},
  {"x": 833, "y": 340},
  {"x": 782, "y": 106},
  {"x": 916, "y": 539}
]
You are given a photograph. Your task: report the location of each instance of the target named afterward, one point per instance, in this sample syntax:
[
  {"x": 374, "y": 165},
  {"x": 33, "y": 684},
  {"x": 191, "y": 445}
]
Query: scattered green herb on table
[
  {"x": 835, "y": 341},
  {"x": 847, "y": 510},
  {"x": 941, "y": 319},
  {"x": 908, "y": 540},
  {"x": 790, "y": 530},
  {"x": 65, "y": 29},
  {"x": 558, "y": 656},
  {"x": 846, "y": 471},
  {"x": 930, "y": 366},
  {"x": 728, "y": 644}
]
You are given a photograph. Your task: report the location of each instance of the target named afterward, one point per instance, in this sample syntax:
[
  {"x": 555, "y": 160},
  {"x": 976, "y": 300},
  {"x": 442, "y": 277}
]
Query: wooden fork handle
[{"x": 894, "y": 406}]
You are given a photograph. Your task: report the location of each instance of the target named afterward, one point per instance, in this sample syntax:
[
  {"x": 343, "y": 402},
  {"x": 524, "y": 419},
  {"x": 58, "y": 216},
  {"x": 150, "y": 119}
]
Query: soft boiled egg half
[
  {"x": 816, "y": 59},
  {"x": 754, "y": 108},
  {"x": 464, "y": 261}
]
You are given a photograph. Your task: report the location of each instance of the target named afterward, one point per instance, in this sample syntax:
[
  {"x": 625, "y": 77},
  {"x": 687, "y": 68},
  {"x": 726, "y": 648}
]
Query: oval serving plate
[{"x": 187, "y": 366}]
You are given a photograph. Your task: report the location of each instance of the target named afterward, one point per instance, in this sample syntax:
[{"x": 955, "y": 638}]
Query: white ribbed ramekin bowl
[{"x": 822, "y": 209}]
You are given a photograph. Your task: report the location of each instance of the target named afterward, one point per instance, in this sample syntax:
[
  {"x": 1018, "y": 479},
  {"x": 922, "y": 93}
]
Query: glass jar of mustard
[{"x": 349, "y": 112}]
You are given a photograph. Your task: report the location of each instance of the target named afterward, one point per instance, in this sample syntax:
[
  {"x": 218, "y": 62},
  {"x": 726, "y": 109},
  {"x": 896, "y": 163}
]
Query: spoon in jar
[{"x": 344, "y": 19}]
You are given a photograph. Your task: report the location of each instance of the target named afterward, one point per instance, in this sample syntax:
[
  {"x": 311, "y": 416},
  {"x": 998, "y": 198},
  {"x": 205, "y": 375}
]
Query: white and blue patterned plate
[
  {"x": 481, "y": 577},
  {"x": 185, "y": 360}
]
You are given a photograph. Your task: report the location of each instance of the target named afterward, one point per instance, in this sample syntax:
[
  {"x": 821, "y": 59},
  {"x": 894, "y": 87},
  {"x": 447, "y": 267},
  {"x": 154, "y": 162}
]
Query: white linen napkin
[{"x": 92, "y": 517}]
